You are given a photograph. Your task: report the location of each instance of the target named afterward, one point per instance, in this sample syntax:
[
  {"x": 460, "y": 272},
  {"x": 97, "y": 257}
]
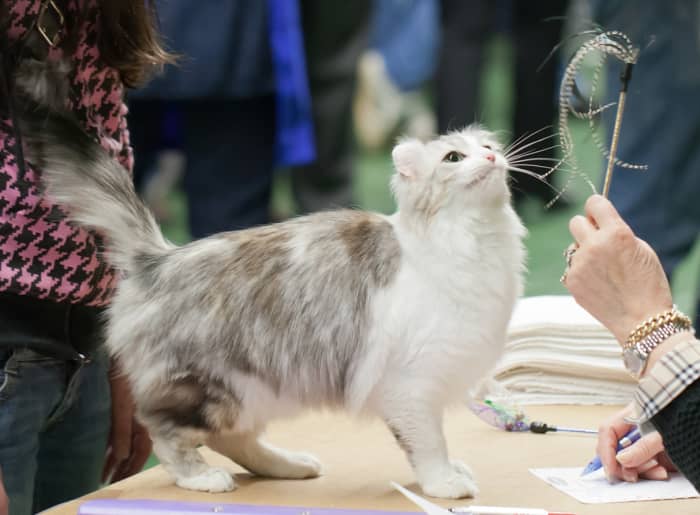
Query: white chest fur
[{"x": 444, "y": 319}]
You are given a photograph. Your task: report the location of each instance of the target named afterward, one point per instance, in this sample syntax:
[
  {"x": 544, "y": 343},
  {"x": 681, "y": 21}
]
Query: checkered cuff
[{"x": 671, "y": 375}]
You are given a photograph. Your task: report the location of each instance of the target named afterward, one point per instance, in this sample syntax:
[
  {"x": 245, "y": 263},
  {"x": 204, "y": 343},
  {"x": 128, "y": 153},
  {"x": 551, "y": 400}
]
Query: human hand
[
  {"x": 129, "y": 443},
  {"x": 4, "y": 500},
  {"x": 614, "y": 275},
  {"x": 645, "y": 458}
]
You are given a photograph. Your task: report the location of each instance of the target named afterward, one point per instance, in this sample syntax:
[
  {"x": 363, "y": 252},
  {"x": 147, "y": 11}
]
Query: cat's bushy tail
[{"x": 95, "y": 190}]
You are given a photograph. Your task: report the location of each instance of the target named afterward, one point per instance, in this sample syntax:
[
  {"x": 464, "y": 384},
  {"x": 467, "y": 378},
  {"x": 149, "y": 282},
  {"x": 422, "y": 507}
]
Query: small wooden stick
[{"x": 625, "y": 78}]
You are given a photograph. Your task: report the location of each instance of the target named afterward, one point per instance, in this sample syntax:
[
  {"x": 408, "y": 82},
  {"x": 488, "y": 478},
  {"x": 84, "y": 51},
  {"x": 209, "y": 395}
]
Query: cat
[{"x": 393, "y": 316}]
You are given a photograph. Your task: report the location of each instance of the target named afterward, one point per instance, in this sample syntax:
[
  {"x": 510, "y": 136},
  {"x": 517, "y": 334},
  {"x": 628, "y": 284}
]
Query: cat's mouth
[{"x": 480, "y": 176}]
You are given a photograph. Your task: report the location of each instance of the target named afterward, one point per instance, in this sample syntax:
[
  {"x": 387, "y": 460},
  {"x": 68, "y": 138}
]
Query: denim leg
[
  {"x": 72, "y": 447},
  {"x": 31, "y": 386}
]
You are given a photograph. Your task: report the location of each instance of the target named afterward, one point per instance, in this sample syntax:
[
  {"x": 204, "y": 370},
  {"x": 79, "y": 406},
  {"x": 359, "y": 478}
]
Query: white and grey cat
[{"x": 395, "y": 316}]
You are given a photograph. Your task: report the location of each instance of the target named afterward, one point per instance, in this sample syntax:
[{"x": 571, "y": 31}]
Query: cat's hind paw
[
  {"x": 454, "y": 483},
  {"x": 284, "y": 464},
  {"x": 212, "y": 480},
  {"x": 302, "y": 466}
]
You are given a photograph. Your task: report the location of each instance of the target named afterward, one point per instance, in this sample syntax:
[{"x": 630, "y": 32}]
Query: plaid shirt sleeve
[{"x": 670, "y": 376}]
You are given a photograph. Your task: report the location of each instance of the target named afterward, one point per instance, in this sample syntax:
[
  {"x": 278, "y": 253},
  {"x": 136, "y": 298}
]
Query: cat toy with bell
[{"x": 513, "y": 419}]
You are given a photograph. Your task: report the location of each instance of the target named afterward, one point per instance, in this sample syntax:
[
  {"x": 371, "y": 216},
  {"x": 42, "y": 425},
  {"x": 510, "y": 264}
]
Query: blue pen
[{"x": 632, "y": 436}]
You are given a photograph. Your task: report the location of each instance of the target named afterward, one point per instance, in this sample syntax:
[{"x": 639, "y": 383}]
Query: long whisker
[
  {"x": 531, "y": 143},
  {"x": 526, "y": 136},
  {"x": 525, "y": 142},
  {"x": 545, "y": 167},
  {"x": 529, "y": 153},
  {"x": 533, "y": 160},
  {"x": 532, "y": 174}
]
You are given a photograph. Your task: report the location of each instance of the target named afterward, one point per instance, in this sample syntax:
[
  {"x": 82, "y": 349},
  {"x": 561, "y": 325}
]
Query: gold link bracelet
[{"x": 651, "y": 324}]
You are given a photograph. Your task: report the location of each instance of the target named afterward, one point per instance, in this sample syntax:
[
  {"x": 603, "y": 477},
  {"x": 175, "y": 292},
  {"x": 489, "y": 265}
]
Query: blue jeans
[
  {"x": 661, "y": 124},
  {"x": 54, "y": 426}
]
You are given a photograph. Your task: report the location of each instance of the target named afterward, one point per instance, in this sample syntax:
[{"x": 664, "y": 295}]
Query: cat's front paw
[
  {"x": 454, "y": 482},
  {"x": 212, "y": 480}
]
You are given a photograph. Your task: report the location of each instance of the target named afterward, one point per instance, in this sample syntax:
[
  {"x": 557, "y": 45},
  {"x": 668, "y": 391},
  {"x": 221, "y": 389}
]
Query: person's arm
[
  {"x": 669, "y": 397},
  {"x": 129, "y": 443},
  {"x": 618, "y": 279},
  {"x": 679, "y": 425},
  {"x": 665, "y": 396}
]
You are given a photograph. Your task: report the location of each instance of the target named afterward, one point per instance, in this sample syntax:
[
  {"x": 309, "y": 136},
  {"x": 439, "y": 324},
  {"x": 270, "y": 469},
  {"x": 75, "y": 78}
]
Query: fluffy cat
[{"x": 394, "y": 316}]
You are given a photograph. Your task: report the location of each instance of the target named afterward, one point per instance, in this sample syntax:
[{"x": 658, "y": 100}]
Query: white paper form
[{"x": 595, "y": 489}]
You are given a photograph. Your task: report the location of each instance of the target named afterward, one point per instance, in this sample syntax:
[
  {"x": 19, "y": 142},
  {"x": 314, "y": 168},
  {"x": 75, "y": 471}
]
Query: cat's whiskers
[
  {"x": 524, "y": 137},
  {"x": 526, "y": 145},
  {"x": 545, "y": 167},
  {"x": 530, "y": 153},
  {"x": 548, "y": 163},
  {"x": 532, "y": 174},
  {"x": 533, "y": 160},
  {"x": 534, "y": 156}
]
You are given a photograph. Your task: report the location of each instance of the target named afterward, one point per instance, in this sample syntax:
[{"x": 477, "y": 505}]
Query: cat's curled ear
[{"x": 407, "y": 156}]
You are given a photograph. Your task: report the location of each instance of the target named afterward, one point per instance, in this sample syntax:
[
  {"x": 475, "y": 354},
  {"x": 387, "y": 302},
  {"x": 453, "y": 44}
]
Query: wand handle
[
  {"x": 613, "y": 144},
  {"x": 625, "y": 77}
]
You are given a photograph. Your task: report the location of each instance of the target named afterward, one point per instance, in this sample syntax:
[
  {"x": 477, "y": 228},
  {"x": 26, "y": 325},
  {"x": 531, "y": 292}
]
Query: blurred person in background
[
  {"x": 262, "y": 85},
  {"x": 535, "y": 29},
  {"x": 336, "y": 33},
  {"x": 220, "y": 105},
  {"x": 157, "y": 130},
  {"x": 660, "y": 125},
  {"x": 401, "y": 59}
]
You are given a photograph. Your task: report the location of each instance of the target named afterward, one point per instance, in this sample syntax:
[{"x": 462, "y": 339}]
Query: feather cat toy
[{"x": 605, "y": 44}]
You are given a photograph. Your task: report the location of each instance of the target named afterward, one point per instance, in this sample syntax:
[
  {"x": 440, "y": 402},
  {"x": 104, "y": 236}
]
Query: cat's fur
[{"x": 389, "y": 315}]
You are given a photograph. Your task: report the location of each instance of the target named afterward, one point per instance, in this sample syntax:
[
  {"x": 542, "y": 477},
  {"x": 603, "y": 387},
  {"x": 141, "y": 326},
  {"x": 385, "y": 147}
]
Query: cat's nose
[{"x": 491, "y": 157}]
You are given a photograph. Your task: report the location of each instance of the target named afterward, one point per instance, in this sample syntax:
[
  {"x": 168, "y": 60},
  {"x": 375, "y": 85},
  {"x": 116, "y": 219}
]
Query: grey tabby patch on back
[
  {"x": 289, "y": 284},
  {"x": 372, "y": 245},
  {"x": 255, "y": 248}
]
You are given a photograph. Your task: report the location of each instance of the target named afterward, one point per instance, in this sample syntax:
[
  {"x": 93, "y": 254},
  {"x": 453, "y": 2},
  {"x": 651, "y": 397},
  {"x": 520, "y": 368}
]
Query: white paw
[
  {"x": 211, "y": 480},
  {"x": 462, "y": 468},
  {"x": 288, "y": 465},
  {"x": 454, "y": 482},
  {"x": 303, "y": 466}
]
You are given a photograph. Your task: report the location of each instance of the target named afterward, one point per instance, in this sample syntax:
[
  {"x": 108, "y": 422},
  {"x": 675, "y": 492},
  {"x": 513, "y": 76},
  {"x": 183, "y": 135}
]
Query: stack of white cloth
[{"x": 557, "y": 353}]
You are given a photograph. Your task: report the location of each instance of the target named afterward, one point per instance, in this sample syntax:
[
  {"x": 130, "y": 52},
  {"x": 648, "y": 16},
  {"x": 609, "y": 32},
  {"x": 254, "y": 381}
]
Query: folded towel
[{"x": 557, "y": 353}]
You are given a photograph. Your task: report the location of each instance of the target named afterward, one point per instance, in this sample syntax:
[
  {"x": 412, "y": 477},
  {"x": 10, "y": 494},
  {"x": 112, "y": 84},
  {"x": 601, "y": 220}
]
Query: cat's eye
[
  {"x": 489, "y": 147},
  {"x": 453, "y": 157}
]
